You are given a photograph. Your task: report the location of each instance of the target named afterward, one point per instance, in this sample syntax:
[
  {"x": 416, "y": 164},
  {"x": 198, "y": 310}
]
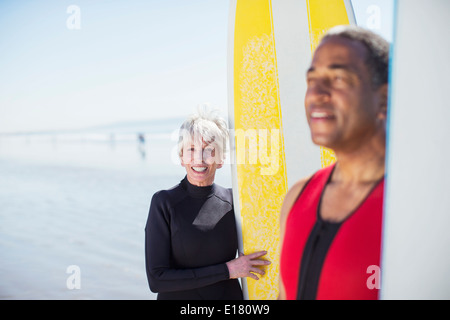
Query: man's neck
[{"x": 365, "y": 164}]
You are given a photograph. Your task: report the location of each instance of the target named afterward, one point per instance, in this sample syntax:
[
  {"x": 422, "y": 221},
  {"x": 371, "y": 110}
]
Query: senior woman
[{"x": 191, "y": 238}]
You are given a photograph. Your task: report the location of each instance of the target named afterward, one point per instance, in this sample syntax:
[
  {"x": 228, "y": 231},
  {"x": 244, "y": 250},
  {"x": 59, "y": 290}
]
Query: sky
[{"x": 68, "y": 64}]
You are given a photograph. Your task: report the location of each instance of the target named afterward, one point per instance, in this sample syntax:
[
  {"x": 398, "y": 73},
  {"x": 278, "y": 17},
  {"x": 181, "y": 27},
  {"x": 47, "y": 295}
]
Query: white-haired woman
[{"x": 191, "y": 238}]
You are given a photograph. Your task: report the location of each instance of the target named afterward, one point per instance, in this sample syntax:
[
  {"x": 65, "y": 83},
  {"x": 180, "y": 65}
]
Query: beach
[{"x": 71, "y": 203}]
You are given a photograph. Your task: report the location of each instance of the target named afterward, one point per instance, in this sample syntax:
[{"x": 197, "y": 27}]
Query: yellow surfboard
[
  {"x": 270, "y": 143},
  {"x": 323, "y": 15}
]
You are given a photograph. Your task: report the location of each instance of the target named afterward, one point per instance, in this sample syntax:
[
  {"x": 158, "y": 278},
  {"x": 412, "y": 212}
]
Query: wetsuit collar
[{"x": 196, "y": 191}]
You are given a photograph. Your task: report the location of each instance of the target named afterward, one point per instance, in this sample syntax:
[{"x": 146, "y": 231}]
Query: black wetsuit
[{"x": 189, "y": 236}]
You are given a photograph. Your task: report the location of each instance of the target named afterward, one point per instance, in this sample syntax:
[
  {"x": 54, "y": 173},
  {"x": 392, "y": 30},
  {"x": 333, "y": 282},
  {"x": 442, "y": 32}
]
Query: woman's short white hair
[{"x": 205, "y": 126}]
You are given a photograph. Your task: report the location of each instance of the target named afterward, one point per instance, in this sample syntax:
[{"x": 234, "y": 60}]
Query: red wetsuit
[{"x": 324, "y": 260}]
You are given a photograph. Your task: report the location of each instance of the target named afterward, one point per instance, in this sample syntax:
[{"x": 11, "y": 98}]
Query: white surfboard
[{"x": 416, "y": 242}]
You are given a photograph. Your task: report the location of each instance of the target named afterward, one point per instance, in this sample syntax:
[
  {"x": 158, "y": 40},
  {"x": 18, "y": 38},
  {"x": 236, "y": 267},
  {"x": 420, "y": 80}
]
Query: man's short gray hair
[
  {"x": 205, "y": 126},
  {"x": 377, "y": 47}
]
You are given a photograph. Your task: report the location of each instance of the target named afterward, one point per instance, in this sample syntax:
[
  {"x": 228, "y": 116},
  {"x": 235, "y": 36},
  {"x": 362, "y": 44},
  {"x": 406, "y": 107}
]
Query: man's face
[{"x": 342, "y": 107}]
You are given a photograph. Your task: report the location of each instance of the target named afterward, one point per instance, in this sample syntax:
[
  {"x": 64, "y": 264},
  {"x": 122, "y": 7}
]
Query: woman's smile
[{"x": 199, "y": 169}]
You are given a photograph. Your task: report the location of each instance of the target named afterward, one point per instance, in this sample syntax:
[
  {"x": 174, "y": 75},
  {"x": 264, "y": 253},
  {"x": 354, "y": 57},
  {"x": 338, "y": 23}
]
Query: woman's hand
[{"x": 244, "y": 266}]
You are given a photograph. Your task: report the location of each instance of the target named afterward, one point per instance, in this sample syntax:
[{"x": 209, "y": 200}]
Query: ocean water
[{"x": 73, "y": 210}]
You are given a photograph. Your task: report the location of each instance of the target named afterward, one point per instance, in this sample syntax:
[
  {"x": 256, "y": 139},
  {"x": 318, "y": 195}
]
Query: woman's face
[{"x": 200, "y": 162}]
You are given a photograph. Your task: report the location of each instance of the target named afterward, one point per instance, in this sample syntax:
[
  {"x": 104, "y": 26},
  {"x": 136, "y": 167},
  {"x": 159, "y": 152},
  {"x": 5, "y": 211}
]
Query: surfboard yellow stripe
[
  {"x": 260, "y": 156},
  {"x": 323, "y": 15}
]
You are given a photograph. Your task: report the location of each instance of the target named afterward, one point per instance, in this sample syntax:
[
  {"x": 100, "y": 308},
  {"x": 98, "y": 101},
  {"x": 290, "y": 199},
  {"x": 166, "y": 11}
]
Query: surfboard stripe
[
  {"x": 259, "y": 145},
  {"x": 323, "y": 15}
]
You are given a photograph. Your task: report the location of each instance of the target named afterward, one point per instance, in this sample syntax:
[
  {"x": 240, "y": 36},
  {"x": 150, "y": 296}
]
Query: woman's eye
[{"x": 208, "y": 152}]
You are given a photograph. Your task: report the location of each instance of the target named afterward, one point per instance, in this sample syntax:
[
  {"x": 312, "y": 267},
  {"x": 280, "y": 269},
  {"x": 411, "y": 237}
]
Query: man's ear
[{"x": 383, "y": 91}]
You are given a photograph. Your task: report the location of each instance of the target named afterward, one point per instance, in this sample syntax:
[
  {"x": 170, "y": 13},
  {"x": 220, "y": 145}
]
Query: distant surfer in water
[
  {"x": 190, "y": 237},
  {"x": 331, "y": 221},
  {"x": 141, "y": 144}
]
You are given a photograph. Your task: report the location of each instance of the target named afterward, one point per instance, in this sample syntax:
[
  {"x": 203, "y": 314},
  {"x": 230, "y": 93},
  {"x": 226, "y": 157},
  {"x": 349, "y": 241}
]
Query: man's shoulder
[
  {"x": 294, "y": 191},
  {"x": 296, "y": 188}
]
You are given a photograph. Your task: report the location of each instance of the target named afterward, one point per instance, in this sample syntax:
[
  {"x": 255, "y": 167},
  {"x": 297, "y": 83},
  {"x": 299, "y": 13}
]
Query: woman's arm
[{"x": 162, "y": 277}]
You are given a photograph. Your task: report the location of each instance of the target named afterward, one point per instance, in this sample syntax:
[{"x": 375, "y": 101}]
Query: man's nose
[{"x": 319, "y": 92}]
